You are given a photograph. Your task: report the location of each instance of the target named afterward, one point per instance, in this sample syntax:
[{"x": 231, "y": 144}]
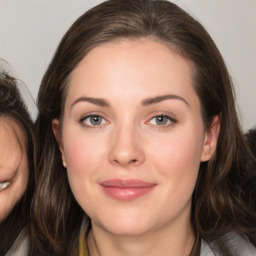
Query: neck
[{"x": 164, "y": 241}]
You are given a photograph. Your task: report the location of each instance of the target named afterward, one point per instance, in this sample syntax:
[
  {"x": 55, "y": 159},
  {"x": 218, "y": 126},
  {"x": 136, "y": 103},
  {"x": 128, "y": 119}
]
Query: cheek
[
  {"x": 177, "y": 163},
  {"x": 10, "y": 196},
  {"x": 178, "y": 149},
  {"x": 85, "y": 155},
  {"x": 8, "y": 199},
  {"x": 82, "y": 153},
  {"x": 177, "y": 158}
]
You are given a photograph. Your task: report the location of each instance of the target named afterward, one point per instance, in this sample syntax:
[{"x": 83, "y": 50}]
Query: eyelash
[
  {"x": 170, "y": 120},
  {"x": 84, "y": 118}
]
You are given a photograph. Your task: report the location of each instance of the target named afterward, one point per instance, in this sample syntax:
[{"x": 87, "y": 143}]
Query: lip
[{"x": 126, "y": 190}]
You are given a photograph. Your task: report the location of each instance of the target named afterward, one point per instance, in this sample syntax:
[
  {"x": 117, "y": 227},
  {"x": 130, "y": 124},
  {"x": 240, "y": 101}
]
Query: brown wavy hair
[
  {"x": 219, "y": 204},
  {"x": 13, "y": 107}
]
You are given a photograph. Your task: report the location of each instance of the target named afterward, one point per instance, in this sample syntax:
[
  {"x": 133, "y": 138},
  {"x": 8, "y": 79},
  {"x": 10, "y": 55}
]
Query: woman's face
[
  {"x": 133, "y": 137},
  {"x": 13, "y": 165}
]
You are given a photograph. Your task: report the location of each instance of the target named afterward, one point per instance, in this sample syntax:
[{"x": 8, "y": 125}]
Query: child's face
[{"x": 13, "y": 165}]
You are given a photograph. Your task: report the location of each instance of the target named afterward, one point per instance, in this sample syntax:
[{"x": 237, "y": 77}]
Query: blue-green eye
[
  {"x": 162, "y": 120},
  {"x": 93, "y": 120}
]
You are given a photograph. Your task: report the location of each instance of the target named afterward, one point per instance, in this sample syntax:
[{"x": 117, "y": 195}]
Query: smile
[
  {"x": 4, "y": 185},
  {"x": 126, "y": 190}
]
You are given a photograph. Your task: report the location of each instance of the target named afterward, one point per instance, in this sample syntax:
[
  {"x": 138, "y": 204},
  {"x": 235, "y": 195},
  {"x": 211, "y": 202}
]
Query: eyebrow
[
  {"x": 157, "y": 99},
  {"x": 95, "y": 101},
  {"x": 148, "y": 101}
]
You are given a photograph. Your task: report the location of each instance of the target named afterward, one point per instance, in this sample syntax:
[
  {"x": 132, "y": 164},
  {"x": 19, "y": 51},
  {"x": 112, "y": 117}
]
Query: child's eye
[
  {"x": 162, "y": 120},
  {"x": 93, "y": 120}
]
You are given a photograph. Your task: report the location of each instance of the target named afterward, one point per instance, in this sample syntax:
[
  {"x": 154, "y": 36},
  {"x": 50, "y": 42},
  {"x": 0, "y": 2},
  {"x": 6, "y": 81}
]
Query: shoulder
[
  {"x": 20, "y": 246},
  {"x": 239, "y": 245},
  {"x": 236, "y": 244}
]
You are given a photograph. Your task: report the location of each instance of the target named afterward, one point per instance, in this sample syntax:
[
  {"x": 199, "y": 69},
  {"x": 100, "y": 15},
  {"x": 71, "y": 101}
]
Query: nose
[{"x": 126, "y": 147}]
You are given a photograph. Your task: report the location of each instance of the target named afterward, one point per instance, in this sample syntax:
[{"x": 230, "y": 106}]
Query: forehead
[
  {"x": 126, "y": 65},
  {"x": 129, "y": 53}
]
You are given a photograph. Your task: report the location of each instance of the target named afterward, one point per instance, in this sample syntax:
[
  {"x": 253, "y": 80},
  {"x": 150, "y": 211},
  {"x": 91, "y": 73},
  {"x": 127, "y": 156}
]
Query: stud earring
[{"x": 63, "y": 158}]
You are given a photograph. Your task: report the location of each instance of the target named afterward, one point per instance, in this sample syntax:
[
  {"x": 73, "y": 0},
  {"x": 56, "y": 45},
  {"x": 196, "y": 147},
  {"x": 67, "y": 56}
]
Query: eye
[
  {"x": 162, "y": 120},
  {"x": 93, "y": 120}
]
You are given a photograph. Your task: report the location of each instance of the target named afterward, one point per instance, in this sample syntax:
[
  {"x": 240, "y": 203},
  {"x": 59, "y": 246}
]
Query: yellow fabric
[
  {"x": 83, "y": 250},
  {"x": 82, "y": 247}
]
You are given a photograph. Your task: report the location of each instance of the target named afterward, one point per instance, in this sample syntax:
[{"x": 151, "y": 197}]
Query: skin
[
  {"x": 129, "y": 144},
  {"x": 13, "y": 164}
]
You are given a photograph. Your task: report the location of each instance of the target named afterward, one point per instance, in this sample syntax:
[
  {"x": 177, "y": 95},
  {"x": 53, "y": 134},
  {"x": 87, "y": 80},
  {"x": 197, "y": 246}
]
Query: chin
[
  {"x": 123, "y": 229},
  {"x": 127, "y": 225}
]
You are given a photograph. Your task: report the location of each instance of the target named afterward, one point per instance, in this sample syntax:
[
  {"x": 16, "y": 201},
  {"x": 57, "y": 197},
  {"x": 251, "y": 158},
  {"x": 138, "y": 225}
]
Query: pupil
[
  {"x": 161, "y": 120},
  {"x": 95, "y": 120}
]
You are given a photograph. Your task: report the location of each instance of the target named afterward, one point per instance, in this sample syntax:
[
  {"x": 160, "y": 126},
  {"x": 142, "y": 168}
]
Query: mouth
[
  {"x": 4, "y": 185},
  {"x": 126, "y": 190}
]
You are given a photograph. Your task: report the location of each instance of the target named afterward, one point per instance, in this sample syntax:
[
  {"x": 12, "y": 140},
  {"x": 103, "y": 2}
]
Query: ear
[
  {"x": 211, "y": 139},
  {"x": 57, "y": 133}
]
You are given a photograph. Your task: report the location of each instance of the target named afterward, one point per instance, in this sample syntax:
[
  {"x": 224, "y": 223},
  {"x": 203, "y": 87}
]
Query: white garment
[
  {"x": 237, "y": 244},
  {"x": 20, "y": 246}
]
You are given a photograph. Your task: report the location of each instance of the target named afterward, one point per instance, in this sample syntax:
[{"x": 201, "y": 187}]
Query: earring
[{"x": 63, "y": 160}]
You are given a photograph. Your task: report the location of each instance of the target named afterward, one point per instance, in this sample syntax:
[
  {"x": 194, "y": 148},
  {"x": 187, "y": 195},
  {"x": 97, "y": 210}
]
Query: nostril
[{"x": 127, "y": 162}]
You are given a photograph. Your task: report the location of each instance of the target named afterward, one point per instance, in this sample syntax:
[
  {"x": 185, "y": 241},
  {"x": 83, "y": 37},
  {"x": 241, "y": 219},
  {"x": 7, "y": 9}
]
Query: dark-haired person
[
  {"x": 16, "y": 169},
  {"x": 140, "y": 147}
]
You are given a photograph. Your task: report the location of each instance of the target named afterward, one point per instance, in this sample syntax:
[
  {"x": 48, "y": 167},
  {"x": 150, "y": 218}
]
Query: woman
[
  {"x": 16, "y": 168},
  {"x": 140, "y": 148}
]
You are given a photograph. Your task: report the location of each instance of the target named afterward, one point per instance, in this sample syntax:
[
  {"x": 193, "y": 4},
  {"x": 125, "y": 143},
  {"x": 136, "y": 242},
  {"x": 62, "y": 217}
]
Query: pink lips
[{"x": 126, "y": 190}]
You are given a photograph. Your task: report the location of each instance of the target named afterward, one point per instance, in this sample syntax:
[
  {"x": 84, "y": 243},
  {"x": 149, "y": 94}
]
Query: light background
[{"x": 30, "y": 31}]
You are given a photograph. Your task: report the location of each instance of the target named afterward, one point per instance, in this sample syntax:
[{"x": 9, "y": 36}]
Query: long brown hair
[
  {"x": 218, "y": 199},
  {"x": 251, "y": 139},
  {"x": 13, "y": 107}
]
